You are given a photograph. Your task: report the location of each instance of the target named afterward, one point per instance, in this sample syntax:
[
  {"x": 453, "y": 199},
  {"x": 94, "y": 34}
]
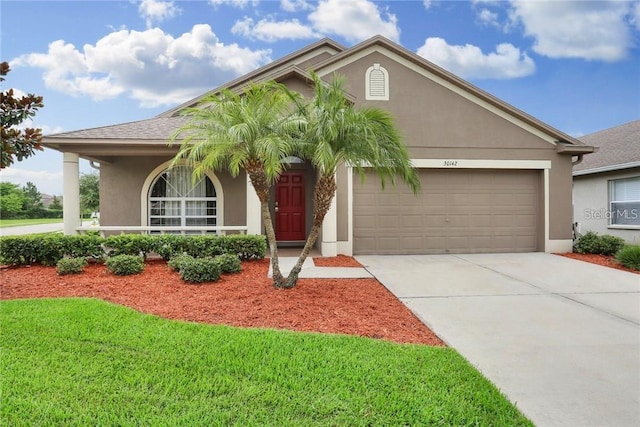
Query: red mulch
[
  {"x": 347, "y": 306},
  {"x": 336, "y": 261},
  {"x": 607, "y": 261}
]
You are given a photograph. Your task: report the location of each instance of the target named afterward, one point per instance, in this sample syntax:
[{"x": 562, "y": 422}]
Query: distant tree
[
  {"x": 17, "y": 143},
  {"x": 32, "y": 197},
  {"x": 55, "y": 204},
  {"x": 11, "y": 199},
  {"x": 89, "y": 192}
]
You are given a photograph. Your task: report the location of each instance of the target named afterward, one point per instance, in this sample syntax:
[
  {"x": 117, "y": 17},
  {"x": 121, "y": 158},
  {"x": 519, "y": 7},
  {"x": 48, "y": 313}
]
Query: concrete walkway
[
  {"x": 309, "y": 270},
  {"x": 560, "y": 337},
  {"x": 33, "y": 229}
]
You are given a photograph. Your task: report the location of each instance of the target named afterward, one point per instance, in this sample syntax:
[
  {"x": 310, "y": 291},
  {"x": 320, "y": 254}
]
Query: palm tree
[
  {"x": 251, "y": 130},
  {"x": 336, "y": 133}
]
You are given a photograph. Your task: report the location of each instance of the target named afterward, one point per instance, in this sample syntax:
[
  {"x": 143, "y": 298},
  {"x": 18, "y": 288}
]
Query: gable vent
[{"x": 377, "y": 83}]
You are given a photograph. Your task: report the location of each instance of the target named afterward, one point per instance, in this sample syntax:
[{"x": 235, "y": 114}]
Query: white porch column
[
  {"x": 254, "y": 217},
  {"x": 329, "y": 244},
  {"x": 71, "y": 192}
]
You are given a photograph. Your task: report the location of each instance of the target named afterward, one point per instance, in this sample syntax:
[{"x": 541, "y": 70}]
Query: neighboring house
[
  {"x": 606, "y": 184},
  {"x": 494, "y": 178}
]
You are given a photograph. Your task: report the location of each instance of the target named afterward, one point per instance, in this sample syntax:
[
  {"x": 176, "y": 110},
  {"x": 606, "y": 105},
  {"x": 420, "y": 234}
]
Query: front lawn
[
  {"x": 88, "y": 362},
  {"x": 33, "y": 221}
]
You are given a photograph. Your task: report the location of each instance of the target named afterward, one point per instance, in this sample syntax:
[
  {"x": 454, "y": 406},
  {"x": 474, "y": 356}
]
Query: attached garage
[{"x": 457, "y": 211}]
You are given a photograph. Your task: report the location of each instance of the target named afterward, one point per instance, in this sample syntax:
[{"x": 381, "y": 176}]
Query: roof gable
[
  {"x": 447, "y": 79},
  {"x": 298, "y": 58}
]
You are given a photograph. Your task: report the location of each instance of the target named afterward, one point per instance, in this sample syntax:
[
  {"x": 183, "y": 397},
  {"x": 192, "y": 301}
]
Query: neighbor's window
[
  {"x": 624, "y": 202},
  {"x": 176, "y": 200}
]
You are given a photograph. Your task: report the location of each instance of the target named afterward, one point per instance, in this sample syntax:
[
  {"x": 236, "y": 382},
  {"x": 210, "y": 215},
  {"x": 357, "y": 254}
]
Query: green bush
[
  {"x": 176, "y": 262},
  {"x": 629, "y": 256},
  {"x": 228, "y": 263},
  {"x": 48, "y": 250},
  {"x": 70, "y": 265},
  {"x": 130, "y": 244},
  {"x": 199, "y": 270},
  {"x": 123, "y": 265},
  {"x": 592, "y": 243}
]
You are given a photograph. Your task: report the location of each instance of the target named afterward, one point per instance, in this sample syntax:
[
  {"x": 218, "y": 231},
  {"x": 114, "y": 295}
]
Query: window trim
[
  {"x": 145, "y": 197},
  {"x": 610, "y": 203}
]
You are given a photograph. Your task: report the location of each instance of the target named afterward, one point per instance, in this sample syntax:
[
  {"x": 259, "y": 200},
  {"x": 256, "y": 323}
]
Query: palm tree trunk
[
  {"x": 322, "y": 196},
  {"x": 262, "y": 188}
]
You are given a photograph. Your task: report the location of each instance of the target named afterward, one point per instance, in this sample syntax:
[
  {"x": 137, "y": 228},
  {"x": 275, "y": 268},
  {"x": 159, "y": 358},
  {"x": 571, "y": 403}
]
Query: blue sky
[{"x": 572, "y": 64}]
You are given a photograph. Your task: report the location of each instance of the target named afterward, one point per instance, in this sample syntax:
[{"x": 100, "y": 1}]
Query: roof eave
[{"x": 609, "y": 168}]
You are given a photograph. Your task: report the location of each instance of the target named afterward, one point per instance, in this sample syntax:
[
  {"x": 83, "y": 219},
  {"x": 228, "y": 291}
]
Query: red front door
[{"x": 290, "y": 207}]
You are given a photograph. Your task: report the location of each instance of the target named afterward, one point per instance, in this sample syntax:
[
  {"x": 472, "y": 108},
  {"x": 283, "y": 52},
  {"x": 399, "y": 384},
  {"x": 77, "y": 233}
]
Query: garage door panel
[{"x": 458, "y": 211}]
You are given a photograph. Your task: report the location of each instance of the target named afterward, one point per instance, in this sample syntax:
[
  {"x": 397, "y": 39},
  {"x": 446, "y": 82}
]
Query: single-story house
[
  {"x": 606, "y": 184},
  {"x": 494, "y": 179}
]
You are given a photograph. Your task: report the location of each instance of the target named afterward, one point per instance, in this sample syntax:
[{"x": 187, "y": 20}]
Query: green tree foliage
[
  {"x": 17, "y": 144},
  {"x": 55, "y": 205},
  {"x": 11, "y": 200},
  {"x": 89, "y": 192},
  {"x": 32, "y": 197}
]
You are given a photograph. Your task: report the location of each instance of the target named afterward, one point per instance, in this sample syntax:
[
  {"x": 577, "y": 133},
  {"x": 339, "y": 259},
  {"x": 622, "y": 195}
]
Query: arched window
[
  {"x": 175, "y": 200},
  {"x": 377, "y": 83}
]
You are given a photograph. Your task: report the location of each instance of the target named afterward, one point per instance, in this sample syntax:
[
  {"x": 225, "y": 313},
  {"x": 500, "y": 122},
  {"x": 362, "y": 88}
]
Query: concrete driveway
[{"x": 561, "y": 338}]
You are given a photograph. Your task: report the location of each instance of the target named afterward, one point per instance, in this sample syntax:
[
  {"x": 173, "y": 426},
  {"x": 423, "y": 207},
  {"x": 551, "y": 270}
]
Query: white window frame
[
  {"x": 385, "y": 73},
  {"x": 145, "y": 197},
  {"x": 631, "y": 212}
]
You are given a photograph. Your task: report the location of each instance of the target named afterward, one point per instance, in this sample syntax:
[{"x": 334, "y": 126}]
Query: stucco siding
[
  {"x": 591, "y": 204},
  {"x": 121, "y": 186}
]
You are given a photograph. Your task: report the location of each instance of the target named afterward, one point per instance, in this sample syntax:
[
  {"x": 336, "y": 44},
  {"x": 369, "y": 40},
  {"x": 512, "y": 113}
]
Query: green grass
[
  {"x": 34, "y": 221},
  {"x": 87, "y": 362}
]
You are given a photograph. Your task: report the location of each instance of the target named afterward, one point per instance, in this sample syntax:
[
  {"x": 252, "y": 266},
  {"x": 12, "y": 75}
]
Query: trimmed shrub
[
  {"x": 177, "y": 261},
  {"x": 629, "y": 256},
  {"x": 199, "y": 270},
  {"x": 592, "y": 243},
  {"x": 246, "y": 246},
  {"x": 70, "y": 266},
  {"x": 123, "y": 265},
  {"x": 130, "y": 244},
  {"x": 228, "y": 263},
  {"x": 170, "y": 245}
]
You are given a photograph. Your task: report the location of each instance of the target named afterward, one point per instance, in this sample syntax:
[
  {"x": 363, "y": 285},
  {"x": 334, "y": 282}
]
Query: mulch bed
[
  {"x": 346, "y": 306},
  {"x": 607, "y": 261},
  {"x": 336, "y": 261}
]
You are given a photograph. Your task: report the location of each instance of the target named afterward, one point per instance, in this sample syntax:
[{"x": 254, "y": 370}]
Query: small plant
[
  {"x": 199, "y": 270},
  {"x": 70, "y": 265},
  {"x": 592, "y": 243},
  {"x": 629, "y": 256},
  {"x": 123, "y": 265},
  {"x": 177, "y": 261},
  {"x": 228, "y": 263}
]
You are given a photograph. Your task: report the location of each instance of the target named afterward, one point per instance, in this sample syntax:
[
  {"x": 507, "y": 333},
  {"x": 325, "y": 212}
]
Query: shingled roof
[
  {"x": 618, "y": 148},
  {"x": 156, "y": 129}
]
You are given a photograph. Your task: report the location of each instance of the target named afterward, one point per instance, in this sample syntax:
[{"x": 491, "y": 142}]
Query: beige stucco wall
[
  {"x": 122, "y": 180},
  {"x": 591, "y": 204},
  {"x": 438, "y": 123}
]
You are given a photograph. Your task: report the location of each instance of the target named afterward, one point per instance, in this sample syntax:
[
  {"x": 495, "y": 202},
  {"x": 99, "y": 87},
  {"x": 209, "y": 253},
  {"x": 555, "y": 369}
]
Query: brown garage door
[{"x": 457, "y": 211}]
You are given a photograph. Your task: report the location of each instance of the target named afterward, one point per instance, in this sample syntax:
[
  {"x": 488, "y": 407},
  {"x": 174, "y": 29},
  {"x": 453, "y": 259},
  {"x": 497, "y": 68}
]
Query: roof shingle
[{"x": 618, "y": 145}]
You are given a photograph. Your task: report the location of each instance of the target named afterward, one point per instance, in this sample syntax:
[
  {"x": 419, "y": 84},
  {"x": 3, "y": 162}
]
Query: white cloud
[
  {"x": 156, "y": 11},
  {"x": 294, "y": 5},
  {"x": 240, "y": 4},
  {"x": 150, "y": 66},
  {"x": 488, "y": 18},
  {"x": 635, "y": 15},
  {"x": 355, "y": 20},
  {"x": 427, "y": 4},
  {"x": 592, "y": 30},
  {"x": 469, "y": 62},
  {"x": 269, "y": 30}
]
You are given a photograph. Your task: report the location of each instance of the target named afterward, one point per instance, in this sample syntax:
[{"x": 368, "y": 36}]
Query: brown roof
[
  {"x": 157, "y": 128},
  {"x": 618, "y": 148}
]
